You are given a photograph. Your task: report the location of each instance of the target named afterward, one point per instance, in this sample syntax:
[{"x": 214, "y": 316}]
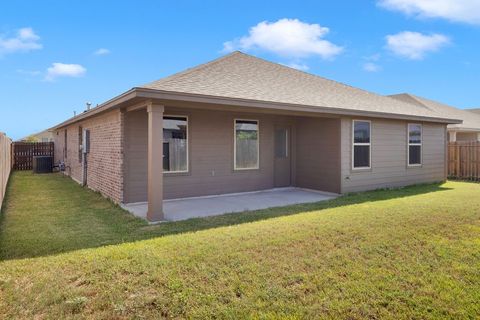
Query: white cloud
[
  {"x": 28, "y": 34},
  {"x": 415, "y": 45},
  {"x": 371, "y": 67},
  {"x": 467, "y": 11},
  {"x": 371, "y": 63},
  {"x": 64, "y": 70},
  {"x": 290, "y": 38},
  {"x": 101, "y": 52},
  {"x": 298, "y": 66},
  {"x": 25, "y": 40}
]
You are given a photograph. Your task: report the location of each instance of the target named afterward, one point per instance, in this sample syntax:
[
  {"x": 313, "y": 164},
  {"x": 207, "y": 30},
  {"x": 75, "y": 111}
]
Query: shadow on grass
[
  {"x": 466, "y": 180},
  {"x": 197, "y": 224},
  {"x": 108, "y": 224}
]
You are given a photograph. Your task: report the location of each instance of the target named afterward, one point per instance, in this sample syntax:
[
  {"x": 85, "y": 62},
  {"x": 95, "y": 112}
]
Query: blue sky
[{"x": 57, "y": 55}]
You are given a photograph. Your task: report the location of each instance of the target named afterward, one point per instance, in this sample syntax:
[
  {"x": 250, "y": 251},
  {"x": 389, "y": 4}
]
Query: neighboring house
[
  {"x": 469, "y": 130},
  {"x": 44, "y": 136},
  {"x": 240, "y": 123},
  {"x": 474, "y": 110}
]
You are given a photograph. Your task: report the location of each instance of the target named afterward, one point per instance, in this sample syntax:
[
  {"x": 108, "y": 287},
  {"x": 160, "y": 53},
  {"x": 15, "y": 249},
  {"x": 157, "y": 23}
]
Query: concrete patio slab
[{"x": 186, "y": 208}]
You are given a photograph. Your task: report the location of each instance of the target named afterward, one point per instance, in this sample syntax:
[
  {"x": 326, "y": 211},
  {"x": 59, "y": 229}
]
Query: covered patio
[
  {"x": 185, "y": 160},
  {"x": 196, "y": 207}
]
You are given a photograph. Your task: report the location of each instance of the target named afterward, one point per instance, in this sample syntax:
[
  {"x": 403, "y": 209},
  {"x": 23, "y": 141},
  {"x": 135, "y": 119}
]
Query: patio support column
[
  {"x": 453, "y": 136},
  {"x": 155, "y": 162}
]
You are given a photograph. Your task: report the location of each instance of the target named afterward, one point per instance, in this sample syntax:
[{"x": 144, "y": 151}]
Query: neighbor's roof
[
  {"x": 474, "y": 110},
  {"x": 471, "y": 121},
  {"x": 238, "y": 79},
  {"x": 47, "y": 132}
]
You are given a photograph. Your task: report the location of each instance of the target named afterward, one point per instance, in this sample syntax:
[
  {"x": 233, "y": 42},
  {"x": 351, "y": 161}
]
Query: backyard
[{"x": 66, "y": 252}]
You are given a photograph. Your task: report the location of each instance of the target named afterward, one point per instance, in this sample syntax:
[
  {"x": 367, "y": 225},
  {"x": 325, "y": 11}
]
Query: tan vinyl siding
[
  {"x": 318, "y": 154},
  {"x": 389, "y": 156},
  {"x": 136, "y": 138}
]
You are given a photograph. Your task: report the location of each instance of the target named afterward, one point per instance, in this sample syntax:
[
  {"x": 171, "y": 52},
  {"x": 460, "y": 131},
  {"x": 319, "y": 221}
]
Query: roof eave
[
  {"x": 464, "y": 129},
  {"x": 139, "y": 92},
  {"x": 183, "y": 96},
  {"x": 106, "y": 106}
]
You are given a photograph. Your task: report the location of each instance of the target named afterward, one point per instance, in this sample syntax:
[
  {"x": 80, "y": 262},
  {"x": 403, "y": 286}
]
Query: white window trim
[
  {"x": 361, "y": 144},
  {"x": 188, "y": 143},
  {"x": 235, "y": 144},
  {"x": 414, "y": 144}
]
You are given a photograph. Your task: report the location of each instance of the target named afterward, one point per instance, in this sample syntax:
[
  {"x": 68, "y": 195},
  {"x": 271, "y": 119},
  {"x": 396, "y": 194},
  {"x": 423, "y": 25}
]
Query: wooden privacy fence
[
  {"x": 5, "y": 164},
  {"x": 23, "y": 153},
  {"x": 464, "y": 160}
]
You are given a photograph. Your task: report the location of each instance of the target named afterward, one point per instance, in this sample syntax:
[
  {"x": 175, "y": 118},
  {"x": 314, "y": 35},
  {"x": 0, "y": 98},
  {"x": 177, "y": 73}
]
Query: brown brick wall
[{"x": 105, "y": 160}]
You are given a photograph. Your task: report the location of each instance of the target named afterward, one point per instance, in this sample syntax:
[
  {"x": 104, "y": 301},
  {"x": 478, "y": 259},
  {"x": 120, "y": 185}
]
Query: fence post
[{"x": 5, "y": 167}]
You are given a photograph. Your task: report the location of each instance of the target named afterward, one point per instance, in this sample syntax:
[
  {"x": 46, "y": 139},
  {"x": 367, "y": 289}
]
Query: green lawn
[{"x": 412, "y": 253}]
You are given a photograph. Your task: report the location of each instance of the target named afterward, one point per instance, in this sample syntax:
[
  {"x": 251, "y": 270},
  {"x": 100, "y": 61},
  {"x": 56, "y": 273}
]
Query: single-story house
[
  {"x": 469, "y": 130},
  {"x": 239, "y": 124},
  {"x": 43, "y": 136},
  {"x": 474, "y": 110}
]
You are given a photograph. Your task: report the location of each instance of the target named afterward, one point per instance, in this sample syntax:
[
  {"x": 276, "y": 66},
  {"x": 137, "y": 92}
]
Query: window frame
[
  {"x": 414, "y": 144},
  {"x": 188, "y": 144},
  {"x": 369, "y": 167},
  {"x": 80, "y": 144},
  {"x": 257, "y": 167},
  {"x": 65, "y": 146}
]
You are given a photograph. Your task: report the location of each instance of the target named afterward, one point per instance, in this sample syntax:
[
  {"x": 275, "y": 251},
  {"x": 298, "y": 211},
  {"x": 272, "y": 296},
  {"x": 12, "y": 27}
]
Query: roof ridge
[
  {"x": 246, "y": 76},
  {"x": 192, "y": 69},
  {"x": 419, "y": 100},
  {"x": 314, "y": 75},
  {"x": 339, "y": 82},
  {"x": 422, "y": 100},
  {"x": 237, "y": 52},
  {"x": 416, "y": 101}
]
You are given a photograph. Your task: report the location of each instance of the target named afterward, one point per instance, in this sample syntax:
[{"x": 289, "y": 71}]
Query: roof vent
[{"x": 89, "y": 105}]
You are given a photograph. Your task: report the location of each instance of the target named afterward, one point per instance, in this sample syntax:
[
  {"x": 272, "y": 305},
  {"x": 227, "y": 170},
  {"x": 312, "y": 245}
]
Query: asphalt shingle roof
[
  {"x": 474, "y": 110},
  {"x": 242, "y": 76},
  {"x": 471, "y": 120}
]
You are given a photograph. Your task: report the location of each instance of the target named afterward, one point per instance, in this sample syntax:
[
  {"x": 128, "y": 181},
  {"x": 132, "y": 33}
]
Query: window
[
  {"x": 361, "y": 144},
  {"x": 80, "y": 144},
  {"x": 414, "y": 144},
  {"x": 65, "y": 147},
  {"x": 175, "y": 144},
  {"x": 246, "y": 147},
  {"x": 281, "y": 143}
]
